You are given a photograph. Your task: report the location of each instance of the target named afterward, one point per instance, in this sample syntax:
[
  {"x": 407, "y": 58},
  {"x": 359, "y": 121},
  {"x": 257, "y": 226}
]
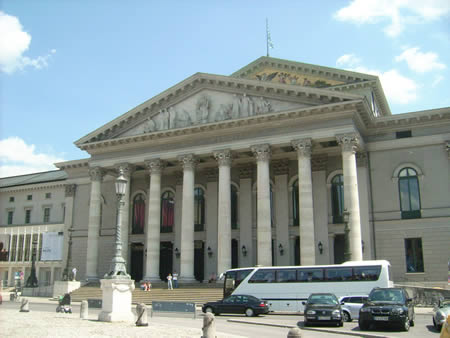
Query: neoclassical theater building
[{"x": 260, "y": 167}]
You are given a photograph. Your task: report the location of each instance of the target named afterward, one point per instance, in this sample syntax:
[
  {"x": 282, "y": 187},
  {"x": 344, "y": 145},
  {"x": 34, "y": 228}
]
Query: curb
[{"x": 348, "y": 333}]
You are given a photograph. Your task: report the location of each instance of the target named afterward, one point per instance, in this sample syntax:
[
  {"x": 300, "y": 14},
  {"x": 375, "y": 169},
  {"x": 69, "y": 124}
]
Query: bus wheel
[{"x": 249, "y": 312}]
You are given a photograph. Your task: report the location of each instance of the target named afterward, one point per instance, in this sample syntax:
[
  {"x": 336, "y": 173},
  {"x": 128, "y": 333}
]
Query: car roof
[{"x": 353, "y": 296}]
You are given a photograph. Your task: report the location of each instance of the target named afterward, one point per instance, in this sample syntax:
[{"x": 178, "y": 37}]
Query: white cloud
[
  {"x": 398, "y": 13},
  {"x": 18, "y": 158},
  {"x": 397, "y": 88},
  {"x": 348, "y": 60},
  {"x": 420, "y": 62},
  {"x": 438, "y": 79},
  {"x": 14, "y": 41}
]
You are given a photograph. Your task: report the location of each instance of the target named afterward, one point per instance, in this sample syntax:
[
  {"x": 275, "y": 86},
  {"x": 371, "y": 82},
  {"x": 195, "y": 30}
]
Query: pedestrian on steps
[
  {"x": 169, "y": 282},
  {"x": 175, "y": 279}
]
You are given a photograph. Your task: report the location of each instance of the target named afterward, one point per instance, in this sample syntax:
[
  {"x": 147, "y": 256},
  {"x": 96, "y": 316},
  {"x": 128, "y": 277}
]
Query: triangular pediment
[{"x": 206, "y": 99}]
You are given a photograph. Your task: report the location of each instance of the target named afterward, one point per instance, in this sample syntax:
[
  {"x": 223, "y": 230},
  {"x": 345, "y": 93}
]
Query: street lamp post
[
  {"x": 117, "y": 285},
  {"x": 32, "y": 281},
  {"x": 347, "y": 253},
  {"x": 66, "y": 274},
  {"x": 118, "y": 265}
]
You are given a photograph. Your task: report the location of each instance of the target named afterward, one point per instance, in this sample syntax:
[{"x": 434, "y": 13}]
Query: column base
[
  {"x": 116, "y": 305},
  {"x": 182, "y": 280}
]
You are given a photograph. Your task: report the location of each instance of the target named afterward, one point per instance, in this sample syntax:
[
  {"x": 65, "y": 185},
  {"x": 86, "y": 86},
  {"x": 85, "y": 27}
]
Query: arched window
[
  {"x": 138, "y": 214},
  {"x": 234, "y": 207},
  {"x": 167, "y": 211},
  {"x": 199, "y": 209},
  {"x": 337, "y": 198},
  {"x": 295, "y": 210},
  {"x": 408, "y": 186}
]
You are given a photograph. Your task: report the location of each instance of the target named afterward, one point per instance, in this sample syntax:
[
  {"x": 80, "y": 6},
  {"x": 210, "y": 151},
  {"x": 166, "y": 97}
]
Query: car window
[
  {"x": 345, "y": 299},
  {"x": 230, "y": 300}
]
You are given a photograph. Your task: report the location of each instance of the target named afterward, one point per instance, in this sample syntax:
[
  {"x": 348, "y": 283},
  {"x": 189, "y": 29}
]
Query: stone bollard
[
  {"x": 295, "y": 332},
  {"x": 84, "y": 310},
  {"x": 209, "y": 326},
  {"x": 24, "y": 307},
  {"x": 141, "y": 310}
]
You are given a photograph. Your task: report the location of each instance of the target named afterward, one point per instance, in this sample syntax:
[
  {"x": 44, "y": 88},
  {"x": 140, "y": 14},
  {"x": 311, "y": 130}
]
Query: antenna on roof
[{"x": 269, "y": 43}]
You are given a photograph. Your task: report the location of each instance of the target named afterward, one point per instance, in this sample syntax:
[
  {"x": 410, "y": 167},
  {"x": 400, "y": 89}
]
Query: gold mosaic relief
[{"x": 293, "y": 78}]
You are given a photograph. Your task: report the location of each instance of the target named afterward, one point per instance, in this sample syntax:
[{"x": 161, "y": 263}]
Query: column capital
[
  {"x": 70, "y": 190},
  {"x": 262, "y": 152},
  {"x": 188, "y": 161},
  {"x": 223, "y": 157},
  {"x": 126, "y": 169},
  {"x": 155, "y": 166},
  {"x": 349, "y": 142},
  {"x": 303, "y": 147},
  {"x": 96, "y": 173}
]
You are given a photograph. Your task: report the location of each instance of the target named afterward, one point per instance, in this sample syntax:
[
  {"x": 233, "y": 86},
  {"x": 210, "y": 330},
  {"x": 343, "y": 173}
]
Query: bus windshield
[{"x": 233, "y": 279}]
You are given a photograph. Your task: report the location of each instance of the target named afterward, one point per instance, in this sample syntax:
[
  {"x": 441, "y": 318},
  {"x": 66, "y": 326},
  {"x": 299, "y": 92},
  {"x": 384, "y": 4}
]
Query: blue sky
[{"x": 68, "y": 67}]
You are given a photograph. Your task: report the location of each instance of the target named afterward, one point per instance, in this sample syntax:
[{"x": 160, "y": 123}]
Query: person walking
[
  {"x": 175, "y": 279},
  {"x": 169, "y": 282}
]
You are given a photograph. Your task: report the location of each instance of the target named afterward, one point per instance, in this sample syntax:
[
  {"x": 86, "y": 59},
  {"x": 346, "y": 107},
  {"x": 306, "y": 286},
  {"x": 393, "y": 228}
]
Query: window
[
  {"x": 337, "y": 198},
  {"x": 234, "y": 207},
  {"x": 29, "y": 197},
  {"x": 138, "y": 223},
  {"x": 10, "y": 217},
  {"x": 408, "y": 186},
  {"x": 11, "y": 198},
  {"x": 167, "y": 211},
  {"x": 295, "y": 210},
  {"x": 413, "y": 253},
  {"x": 199, "y": 209},
  {"x": 286, "y": 276},
  {"x": 263, "y": 276},
  {"x": 27, "y": 216},
  {"x": 46, "y": 215},
  {"x": 338, "y": 274},
  {"x": 48, "y": 195},
  {"x": 310, "y": 275}
]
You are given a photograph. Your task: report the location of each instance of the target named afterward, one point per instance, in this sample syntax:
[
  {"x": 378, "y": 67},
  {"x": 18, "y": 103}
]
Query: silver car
[
  {"x": 440, "y": 313},
  {"x": 351, "y": 305}
]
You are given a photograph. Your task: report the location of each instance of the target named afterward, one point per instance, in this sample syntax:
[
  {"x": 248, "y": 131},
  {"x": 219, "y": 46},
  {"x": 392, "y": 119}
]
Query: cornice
[
  {"x": 83, "y": 163},
  {"x": 39, "y": 186}
]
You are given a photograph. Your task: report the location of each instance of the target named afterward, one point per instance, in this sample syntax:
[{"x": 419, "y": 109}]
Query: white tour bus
[{"x": 285, "y": 287}]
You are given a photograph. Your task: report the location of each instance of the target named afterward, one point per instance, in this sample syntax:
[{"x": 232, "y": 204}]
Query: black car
[
  {"x": 390, "y": 306},
  {"x": 323, "y": 308},
  {"x": 247, "y": 304}
]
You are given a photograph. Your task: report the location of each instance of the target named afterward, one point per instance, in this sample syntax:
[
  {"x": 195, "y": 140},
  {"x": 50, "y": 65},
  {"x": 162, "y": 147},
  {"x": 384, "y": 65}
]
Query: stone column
[
  {"x": 187, "y": 219},
  {"x": 211, "y": 220},
  {"x": 152, "y": 243},
  {"x": 94, "y": 222},
  {"x": 264, "y": 231},
  {"x": 349, "y": 143},
  {"x": 306, "y": 209},
  {"x": 223, "y": 157},
  {"x": 127, "y": 170},
  {"x": 281, "y": 205}
]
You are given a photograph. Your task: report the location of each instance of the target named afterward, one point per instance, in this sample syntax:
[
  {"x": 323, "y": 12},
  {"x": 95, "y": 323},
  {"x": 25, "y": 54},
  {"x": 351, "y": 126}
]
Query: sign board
[{"x": 52, "y": 246}]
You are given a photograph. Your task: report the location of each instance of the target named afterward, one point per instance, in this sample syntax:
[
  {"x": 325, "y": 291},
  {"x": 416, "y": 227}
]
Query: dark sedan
[
  {"x": 323, "y": 308},
  {"x": 249, "y": 305}
]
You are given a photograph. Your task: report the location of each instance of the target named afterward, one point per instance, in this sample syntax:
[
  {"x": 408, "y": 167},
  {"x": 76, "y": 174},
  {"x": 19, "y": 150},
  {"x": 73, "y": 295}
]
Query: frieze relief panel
[{"x": 210, "y": 106}]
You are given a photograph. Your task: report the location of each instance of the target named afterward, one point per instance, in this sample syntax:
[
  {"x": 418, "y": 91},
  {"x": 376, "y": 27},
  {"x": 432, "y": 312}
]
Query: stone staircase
[{"x": 198, "y": 293}]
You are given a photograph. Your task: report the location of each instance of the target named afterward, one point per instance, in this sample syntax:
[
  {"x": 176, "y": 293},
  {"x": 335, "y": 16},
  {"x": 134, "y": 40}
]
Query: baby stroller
[{"x": 64, "y": 304}]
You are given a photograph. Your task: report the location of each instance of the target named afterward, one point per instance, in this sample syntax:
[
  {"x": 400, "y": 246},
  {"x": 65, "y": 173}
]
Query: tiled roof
[{"x": 42, "y": 177}]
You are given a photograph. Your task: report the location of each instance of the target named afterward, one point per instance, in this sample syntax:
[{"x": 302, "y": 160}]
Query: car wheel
[
  {"x": 209, "y": 310},
  {"x": 249, "y": 312},
  {"x": 405, "y": 326},
  {"x": 364, "y": 326},
  {"x": 346, "y": 316}
]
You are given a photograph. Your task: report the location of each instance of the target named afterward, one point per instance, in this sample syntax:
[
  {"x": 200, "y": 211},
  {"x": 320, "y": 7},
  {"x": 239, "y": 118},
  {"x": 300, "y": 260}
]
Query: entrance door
[
  {"x": 165, "y": 260},
  {"x": 137, "y": 261},
  {"x": 339, "y": 245},
  {"x": 234, "y": 254},
  {"x": 199, "y": 260},
  {"x": 297, "y": 251}
]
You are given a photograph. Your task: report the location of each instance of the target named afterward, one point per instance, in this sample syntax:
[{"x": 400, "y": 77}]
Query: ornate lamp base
[{"x": 116, "y": 305}]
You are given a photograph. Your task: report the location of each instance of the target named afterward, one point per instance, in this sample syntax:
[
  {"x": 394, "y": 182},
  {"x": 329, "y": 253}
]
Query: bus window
[
  {"x": 310, "y": 275},
  {"x": 241, "y": 275},
  {"x": 286, "y": 276},
  {"x": 263, "y": 276},
  {"x": 338, "y": 274},
  {"x": 366, "y": 272}
]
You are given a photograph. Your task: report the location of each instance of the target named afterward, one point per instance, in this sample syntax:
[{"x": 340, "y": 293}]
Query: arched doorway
[
  {"x": 165, "y": 260},
  {"x": 199, "y": 260},
  {"x": 136, "y": 261}
]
